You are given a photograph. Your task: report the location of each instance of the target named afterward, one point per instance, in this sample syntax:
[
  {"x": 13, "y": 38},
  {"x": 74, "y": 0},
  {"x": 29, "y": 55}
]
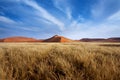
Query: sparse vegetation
[{"x": 59, "y": 61}]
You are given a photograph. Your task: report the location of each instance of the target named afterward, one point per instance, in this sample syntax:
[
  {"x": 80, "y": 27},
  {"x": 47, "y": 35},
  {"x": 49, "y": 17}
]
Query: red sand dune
[
  {"x": 57, "y": 38},
  {"x": 19, "y": 39}
]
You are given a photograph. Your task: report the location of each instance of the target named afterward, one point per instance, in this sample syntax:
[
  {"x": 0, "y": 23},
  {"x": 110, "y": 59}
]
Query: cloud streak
[
  {"x": 6, "y": 20},
  {"x": 115, "y": 17},
  {"x": 64, "y": 6},
  {"x": 45, "y": 14},
  {"x": 90, "y": 29},
  {"x": 105, "y": 8}
]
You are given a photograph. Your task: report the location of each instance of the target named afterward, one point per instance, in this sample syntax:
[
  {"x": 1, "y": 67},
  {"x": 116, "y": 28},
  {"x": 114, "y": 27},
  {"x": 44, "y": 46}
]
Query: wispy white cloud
[
  {"x": 105, "y": 8},
  {"x": 64, "y": 6},
  {"x": 115, "y": 17},
  {"x": 6, "y": 20},
  {"x": 16, "y": 25},
  {"x": 90, "y": 29},
  {"x": 45, "y": 14},
  {"x": 69, "y": 13},
  {"x": 98, "y": 9}
]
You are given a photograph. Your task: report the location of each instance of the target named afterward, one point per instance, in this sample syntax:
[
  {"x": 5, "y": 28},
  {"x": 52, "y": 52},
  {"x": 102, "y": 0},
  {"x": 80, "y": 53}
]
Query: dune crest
[{"x": 57, "y": 38}]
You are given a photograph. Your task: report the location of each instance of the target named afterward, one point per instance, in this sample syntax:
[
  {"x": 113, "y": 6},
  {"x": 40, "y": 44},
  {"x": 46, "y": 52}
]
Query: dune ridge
[{"x": 57, "y": 38}]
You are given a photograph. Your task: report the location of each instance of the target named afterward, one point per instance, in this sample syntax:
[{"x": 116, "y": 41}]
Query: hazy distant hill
[{"x": 115, "y": 39}]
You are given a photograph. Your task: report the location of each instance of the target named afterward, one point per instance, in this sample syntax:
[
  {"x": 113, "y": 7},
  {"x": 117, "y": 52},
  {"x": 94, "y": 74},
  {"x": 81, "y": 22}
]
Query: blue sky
[{"x": 74, "y": 19}]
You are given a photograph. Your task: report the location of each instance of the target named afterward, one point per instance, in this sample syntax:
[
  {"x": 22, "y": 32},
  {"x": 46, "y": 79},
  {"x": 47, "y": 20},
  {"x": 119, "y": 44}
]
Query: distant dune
[
  {"x": 115, "y": 39},
  {"x": 18, "y": 39},
  {"x": 91, "y": 39},
  {"x": 58, "y": 38}
]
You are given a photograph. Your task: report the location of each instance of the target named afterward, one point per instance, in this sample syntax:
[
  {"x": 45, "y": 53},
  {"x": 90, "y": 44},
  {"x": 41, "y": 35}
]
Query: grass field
[{"x": 60, "y": 61}]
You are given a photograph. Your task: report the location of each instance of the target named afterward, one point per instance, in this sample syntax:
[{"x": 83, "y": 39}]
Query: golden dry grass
[{"x": 59, "y": 61}]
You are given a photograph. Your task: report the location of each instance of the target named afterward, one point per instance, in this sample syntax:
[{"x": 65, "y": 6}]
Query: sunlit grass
[{"x": 59, "y": 61}]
